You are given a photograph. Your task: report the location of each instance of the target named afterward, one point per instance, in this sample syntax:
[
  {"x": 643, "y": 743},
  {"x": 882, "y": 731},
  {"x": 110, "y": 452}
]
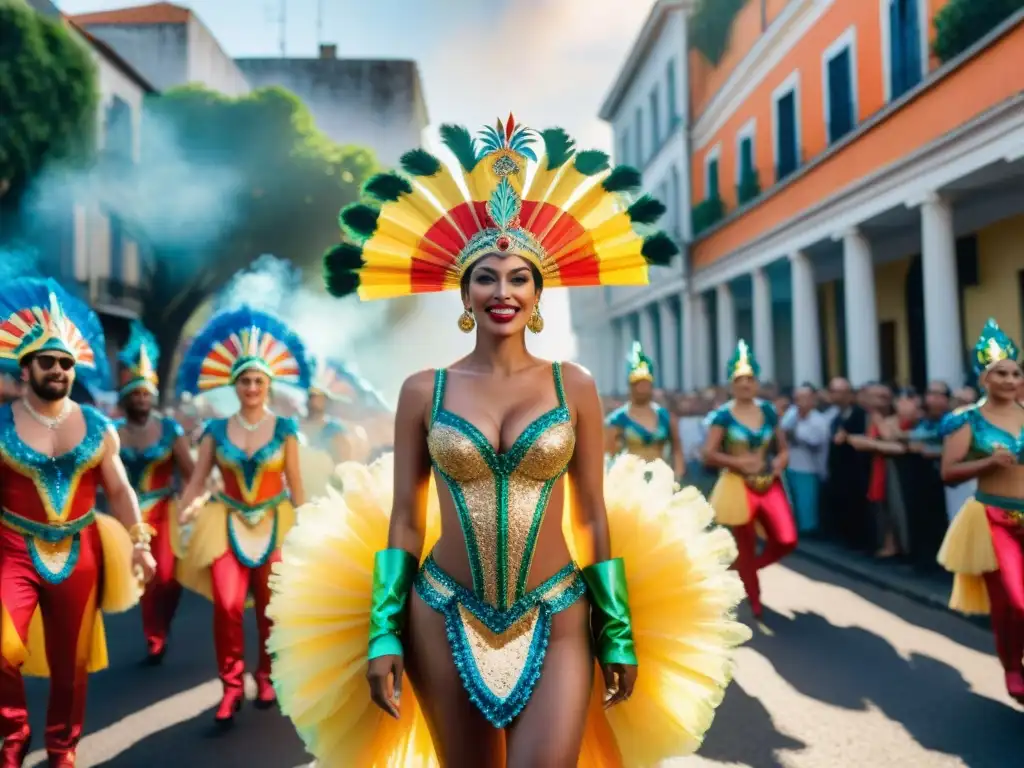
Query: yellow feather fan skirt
[
  {"x": 968, "y": 553},
  {"x": 119, "y": 592},
  {"x": 730, "y": 501},
  {"x": 209, "y": 540},
  {"x": 317, "y": 470},
  {"x": 682, "y": 597}
]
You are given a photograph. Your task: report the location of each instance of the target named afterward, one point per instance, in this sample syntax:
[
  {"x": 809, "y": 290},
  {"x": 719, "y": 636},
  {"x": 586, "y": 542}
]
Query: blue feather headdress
[
  {"x": 742, "y": 362},
  {"x": 239, "y": 340},
  {"x": 38, "y": 315},
  {"x": 993, "y": 346},
  {"x": 639, "y": 367},
  {"x": 139, "y": 359}
]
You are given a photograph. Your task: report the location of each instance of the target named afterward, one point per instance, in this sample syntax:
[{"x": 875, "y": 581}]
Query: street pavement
[{"x": 843, "y": 675}]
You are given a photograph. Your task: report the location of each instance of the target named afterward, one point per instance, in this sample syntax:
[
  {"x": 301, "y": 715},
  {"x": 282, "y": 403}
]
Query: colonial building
[
  {"x": 370, "y": 103},
  {"x": 647, "y": 110},
  {"x": 856, "y": 172}
]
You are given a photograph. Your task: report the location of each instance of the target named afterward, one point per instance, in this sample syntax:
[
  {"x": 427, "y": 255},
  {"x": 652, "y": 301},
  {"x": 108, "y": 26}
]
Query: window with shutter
[
  {"x": 841, "y": 118},
  {"x": 788, "y": 151}
]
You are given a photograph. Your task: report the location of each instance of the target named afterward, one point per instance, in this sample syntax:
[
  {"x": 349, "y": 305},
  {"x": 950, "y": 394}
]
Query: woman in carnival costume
[
  {"x": 325, "y": 441},
  {"x": 474, "y": 585},
  {"x": 238, "y": 533},
  {"x": 983, "y": 546},
  {"x": 641, "y": 426},
  {"x": 745, "y": 441},
  {"x": 157, "y": 457},
  {"x": 61, "y": 563}
]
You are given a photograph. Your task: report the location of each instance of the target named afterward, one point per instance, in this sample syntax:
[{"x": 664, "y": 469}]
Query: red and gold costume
[
  {"x": 60, "y": 562},
  {"x": 153, "y": 471},
  {"x": 238, "y": 534}
]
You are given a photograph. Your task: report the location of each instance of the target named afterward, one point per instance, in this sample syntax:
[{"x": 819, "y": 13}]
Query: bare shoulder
[
  {"x": 417, "y": 389},
  {"x": 577, "y": 380}
]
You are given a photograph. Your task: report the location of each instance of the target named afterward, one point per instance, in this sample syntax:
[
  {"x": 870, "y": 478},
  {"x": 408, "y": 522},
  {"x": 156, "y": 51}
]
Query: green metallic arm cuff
[
  {"x": 393, "y": 573},
  {"x": 611, "y": 622}
]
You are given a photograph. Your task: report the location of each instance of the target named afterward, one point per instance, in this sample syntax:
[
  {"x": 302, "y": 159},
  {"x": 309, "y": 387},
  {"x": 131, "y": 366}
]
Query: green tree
[
  {"x": 224, "y": 180},
  {"x": 48, "y": 98},
  {"x": 962, "y": 23}
]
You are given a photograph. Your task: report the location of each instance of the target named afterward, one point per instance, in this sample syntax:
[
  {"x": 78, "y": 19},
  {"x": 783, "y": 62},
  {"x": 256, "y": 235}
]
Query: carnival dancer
[
  {"x": 494, "y": 626},
  {"x": 325, "y": 441},
  {"x": 238, "y": 533},
  {"x": 60, "y": 562},
  {"x": 745, "y": 441},
  {"x": 984, "y": 546},
  {"x": 641, "y": 426},
  {"x": 157, "y": 455}
]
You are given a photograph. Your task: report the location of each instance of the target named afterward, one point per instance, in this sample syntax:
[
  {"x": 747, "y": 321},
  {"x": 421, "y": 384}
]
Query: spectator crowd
[{"x": 863, "y": 462}]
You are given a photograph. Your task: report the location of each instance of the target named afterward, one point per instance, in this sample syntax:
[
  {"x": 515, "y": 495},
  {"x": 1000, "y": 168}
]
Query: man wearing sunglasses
[{"x": 60, "y": 562}]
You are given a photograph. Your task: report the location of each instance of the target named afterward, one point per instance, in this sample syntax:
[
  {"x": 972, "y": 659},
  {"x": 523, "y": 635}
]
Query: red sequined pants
[
  {"x": 771, "y": 509},
  {"x": 162, "y": 593},
  {"x": 1006, "y": 588},
  {"x": 69, "y": 615}
]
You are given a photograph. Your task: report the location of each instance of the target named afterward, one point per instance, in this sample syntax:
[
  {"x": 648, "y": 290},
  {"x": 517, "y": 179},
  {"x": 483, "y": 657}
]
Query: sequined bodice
[
  {"x": 500, "y": 497},
  {"x": 737, "y": 437},
  {"x": 50, "y": 489},
  {"x": 640, "y": 440},
  {"x": 252, "y": 480},
  {"x": 985, "y": 436},
  {"x": 152, "y": 468}
]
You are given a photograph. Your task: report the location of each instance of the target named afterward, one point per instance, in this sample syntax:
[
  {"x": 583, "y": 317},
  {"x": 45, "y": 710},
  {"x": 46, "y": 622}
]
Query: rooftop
[{"x": 154, "y": 13}]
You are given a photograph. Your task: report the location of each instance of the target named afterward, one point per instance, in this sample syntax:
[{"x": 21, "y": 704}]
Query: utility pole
[{"x": 283, "y": 20}]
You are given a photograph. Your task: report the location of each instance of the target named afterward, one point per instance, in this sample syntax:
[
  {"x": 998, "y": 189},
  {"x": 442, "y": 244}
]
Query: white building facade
[{"x": 647, "y": 109}]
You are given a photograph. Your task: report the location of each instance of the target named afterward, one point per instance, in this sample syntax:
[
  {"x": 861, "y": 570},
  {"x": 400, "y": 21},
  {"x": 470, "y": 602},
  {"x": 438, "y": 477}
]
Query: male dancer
[
  {"x": 56, "y": 554},
  {"x": 154, "y": 450}
]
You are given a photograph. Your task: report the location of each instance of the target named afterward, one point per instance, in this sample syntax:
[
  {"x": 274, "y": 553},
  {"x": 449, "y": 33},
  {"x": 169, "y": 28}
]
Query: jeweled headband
[
  {"x": 639, "y": 366},
  {"x": 742, "y": 363},
  {"x": 570, "y": 217},
  {"x": 993, "y": 346}
]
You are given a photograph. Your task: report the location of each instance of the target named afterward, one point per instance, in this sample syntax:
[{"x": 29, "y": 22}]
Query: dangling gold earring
[
  {"x": 536, "y": 322},
  {"x": 466, "y": 321}
]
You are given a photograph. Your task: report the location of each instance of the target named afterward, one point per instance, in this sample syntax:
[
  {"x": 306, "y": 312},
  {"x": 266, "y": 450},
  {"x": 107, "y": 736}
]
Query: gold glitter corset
[{"x": 500, "y": 497}]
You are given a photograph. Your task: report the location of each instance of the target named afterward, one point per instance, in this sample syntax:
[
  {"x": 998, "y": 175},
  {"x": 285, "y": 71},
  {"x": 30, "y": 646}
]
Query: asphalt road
[{"x": 843, "y": 676}]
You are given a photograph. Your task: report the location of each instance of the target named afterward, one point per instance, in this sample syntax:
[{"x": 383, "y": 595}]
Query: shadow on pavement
[
  {"x": 743, "y": 732},
  {"x": 849, "y": 667}
]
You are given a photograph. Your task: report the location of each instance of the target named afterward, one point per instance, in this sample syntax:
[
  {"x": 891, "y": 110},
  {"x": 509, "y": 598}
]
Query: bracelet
[{"x": 141, "y": 535}]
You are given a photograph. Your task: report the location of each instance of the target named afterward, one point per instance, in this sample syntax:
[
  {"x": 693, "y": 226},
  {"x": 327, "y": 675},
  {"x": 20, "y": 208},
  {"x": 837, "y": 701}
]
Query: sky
[{"x": 551, "y": 62}]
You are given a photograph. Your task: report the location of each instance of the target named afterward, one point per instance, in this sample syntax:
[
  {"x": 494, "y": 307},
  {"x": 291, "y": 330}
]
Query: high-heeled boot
[{"x": 230, "y": 704}]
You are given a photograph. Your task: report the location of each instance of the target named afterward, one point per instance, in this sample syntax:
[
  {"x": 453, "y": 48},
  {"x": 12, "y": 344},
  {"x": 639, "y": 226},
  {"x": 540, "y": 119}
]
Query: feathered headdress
[
  {"x": 993, "y": 346},
  {"x": 338, "y": 382},
  {"x": 239, "y": 340},
  {"x": 39, "y": 315},
  {"x": 568, "y": 218},
  {"x": 639, "y": 367},
  {"x": 742, "y": 362},
  {"x": 139, "y": 358}
]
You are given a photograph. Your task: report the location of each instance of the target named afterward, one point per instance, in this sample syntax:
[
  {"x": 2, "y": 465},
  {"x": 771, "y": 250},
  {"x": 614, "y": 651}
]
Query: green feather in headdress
[
  {"x": 993, "y": 346},
  {"x": 639, "y": 367}
]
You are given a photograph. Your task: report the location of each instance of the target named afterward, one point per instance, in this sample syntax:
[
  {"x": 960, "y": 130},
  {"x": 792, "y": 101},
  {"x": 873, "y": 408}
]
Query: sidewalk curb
[{"x": 868, "y": 576}]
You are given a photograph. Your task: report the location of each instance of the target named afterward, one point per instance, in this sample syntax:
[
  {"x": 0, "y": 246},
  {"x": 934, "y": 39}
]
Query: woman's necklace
[
  {"x": 50, "y": 422},
  {"x": 254, "y": 425}
]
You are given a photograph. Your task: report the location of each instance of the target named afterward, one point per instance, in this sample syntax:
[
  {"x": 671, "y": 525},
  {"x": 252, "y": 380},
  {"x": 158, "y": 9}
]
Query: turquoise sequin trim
[
  {"x": 55, "y": 477},
  {"x": 243, "y": 558},
  {"x": 138, "y": 461},
  {"x": 53, "y": 533},
  {"x": 985, "y": 436},
  {"x": 232, "y": 455},
  {"x": 498, "y": 711},
  {"x": 253, "y": 513},
  {"x": 40, "y": 565},
  {"x": 736, "y": 432},
  {"x": 502, "y": 465},
  {"x": 620, "y": 419}
]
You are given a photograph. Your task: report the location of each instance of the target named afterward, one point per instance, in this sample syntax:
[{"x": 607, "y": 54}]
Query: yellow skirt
[
  {"x": 210, "y": 539},
  {"x": 967, "y": 552},
  {"x": 120, "y": 591},
  {"x": 682, "y": 598},
  {"x": 729, "y": 500}
]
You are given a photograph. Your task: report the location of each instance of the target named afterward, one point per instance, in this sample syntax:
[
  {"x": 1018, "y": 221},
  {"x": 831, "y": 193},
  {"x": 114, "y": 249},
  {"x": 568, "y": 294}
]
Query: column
[
  {"x": 669, "y": 374},
  {"x": 618, "y": 362},
  {"x": 862, "y": 355},
  {"x": 726, "y": 331},
  {"x": 764, "y": 332},
  {"x": 690, "y": 341},
  {"x": 702, "y": 342},
  {"x": 806, "y": 332},
  {"x": 647, "y": 337},
  {"x": 943, "y": 334}
]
